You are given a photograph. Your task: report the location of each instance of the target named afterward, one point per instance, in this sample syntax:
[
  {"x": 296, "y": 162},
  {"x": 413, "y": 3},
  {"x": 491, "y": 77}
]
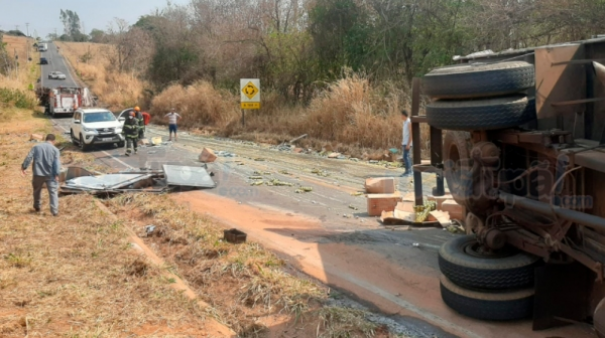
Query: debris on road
[
  {"x": 255, "y": 177},
  {"x": 207, "y": 156},
  {"x": 353, "y": 207},
  {"x": 156, "y": 140},
  {"x": 284, "y": 172},
  {"x": 234, "y": 236},
  {"x": 259, "y": 159},
  {"x": 298, "y": 138},
  {"x": 225, "y": 154},
  {"x": 257, "y": 183},
  {"x": 318, "y": 172},
  {"x": 443, "y": 217},
  {"x": 303, "y": 190},
  {"x": 79, "y": 180},
  {"x": 377, "y": 203},
  {"x": 276, "y": 182},
  {"x": 188, "y": 176},
  {"x": 382, "y": 185},
  {"x": 357, "y": 193},
  {"x": 334, "y": 155},
  {"x": 422, "y": 211},
  {"x": 455, "y": 210}
]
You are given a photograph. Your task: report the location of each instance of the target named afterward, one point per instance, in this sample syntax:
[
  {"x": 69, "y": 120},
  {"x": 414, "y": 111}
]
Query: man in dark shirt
[{"x": 46, "y": 167}]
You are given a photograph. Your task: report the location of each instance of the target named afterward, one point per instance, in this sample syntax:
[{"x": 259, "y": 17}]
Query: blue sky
[{"x": 43, "y": 15}]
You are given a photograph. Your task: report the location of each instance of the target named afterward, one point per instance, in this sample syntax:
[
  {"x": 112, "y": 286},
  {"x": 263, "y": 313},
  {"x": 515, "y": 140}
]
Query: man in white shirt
[
  {"x": 406, "y": 143},
  {"x": 173, "y": 117}
]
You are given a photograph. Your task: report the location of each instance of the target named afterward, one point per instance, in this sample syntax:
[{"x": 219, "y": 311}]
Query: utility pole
[
  {"x": 17, "y": 27},
  {"x": 27, "y": 27}
]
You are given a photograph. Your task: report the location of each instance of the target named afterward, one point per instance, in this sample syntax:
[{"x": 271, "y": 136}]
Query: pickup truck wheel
[
  {"x": 463, "y": 261},
  {"x": 73, "y": 138},
  {"x": 83, "y": 146},
  {"x": 483, "y": 114},
  {"x": 121, "y": 144},
  {"x": 479, "y": 80},
  {"x": 501, "y": 306}
]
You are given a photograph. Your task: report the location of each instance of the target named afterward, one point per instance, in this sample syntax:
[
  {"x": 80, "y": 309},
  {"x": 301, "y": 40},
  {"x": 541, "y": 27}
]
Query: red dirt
[{"x": 370, "y": 276}]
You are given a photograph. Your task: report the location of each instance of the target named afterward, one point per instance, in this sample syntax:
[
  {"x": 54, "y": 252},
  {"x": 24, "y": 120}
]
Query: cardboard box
[
  {"x": 377, "y": 203},
  {"x": 455, "y": 210},
  {"x": 381, "y": 185},
  {"x": 37, "y": 137},
  {"x": 439, "y": 199},
  {"x": 443, "y": 217},
  {"x": 207, "y": 155}
]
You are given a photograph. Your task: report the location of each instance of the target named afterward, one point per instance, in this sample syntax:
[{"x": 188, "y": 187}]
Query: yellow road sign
[
  {"x": 250, "y": 90},
  {"x": 250, "y": 105}
]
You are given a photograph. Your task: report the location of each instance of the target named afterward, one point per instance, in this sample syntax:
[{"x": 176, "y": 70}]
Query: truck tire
[
  {"x": 457, "y": 147},
  {"x": 73, "y": 138},
  {"x": 479, "y": 80},
  {"x": 500, "y": 306},
  {"x": 463, "y": 264},
  {"x": 121, "y": 144},
  {"x": 484, "y": 114}
]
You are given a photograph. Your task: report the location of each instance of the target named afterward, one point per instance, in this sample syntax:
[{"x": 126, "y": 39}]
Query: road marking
[{"x": 103, "y": 151}]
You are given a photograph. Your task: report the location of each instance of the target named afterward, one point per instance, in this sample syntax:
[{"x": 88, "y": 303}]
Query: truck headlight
[
  {"x": 88, "y": 130},
  {"x": 118, "y": 130}
]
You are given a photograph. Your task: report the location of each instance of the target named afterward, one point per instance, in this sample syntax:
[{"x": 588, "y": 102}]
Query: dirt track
[{"x": 326, "y": 233}]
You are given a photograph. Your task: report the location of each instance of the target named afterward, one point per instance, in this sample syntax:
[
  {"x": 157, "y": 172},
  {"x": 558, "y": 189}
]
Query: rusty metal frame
[{"x": 436, "y": 146}]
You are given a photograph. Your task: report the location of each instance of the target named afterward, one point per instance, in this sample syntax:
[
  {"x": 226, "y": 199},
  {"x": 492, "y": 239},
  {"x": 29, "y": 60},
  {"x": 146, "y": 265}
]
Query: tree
[
  {"x": 72, "y": 26},
  {"x": 129, "y": 48},
  {"x": 97, "y": 35}
]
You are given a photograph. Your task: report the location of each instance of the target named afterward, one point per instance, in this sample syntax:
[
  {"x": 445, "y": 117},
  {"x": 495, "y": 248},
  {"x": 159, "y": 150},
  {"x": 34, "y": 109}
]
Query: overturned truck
[{"x": 519, "y": 137}]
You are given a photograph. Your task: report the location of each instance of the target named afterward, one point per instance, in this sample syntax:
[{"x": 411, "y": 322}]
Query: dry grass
[
  {"x": 245, "y": 282},
  {"x": 22, "y": 79},
  {"x": 74, "y": 275},
  {"x": 350, "y": 116},
  {"x": 200, "y": 105},
  {"x": 115, "y": 90}
]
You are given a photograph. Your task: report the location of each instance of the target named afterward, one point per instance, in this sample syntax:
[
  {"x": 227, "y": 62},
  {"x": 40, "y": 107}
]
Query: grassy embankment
[
  {"x": 77, "y": 275},
  {"x": 352, "y": 115}
]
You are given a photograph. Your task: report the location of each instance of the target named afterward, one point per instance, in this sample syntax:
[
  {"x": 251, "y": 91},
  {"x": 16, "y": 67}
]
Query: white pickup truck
[{"x": 95, "y": 126}]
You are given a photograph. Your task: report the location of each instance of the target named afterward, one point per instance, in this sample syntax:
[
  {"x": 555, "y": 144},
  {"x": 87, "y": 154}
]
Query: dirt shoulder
[
  {"x": 76, "y": 274},
  {"x": 85, "y": 272}
]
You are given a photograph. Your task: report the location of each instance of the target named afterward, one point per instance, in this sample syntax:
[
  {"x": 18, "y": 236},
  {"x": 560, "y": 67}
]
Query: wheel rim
[{"x": 475, "y": 249}]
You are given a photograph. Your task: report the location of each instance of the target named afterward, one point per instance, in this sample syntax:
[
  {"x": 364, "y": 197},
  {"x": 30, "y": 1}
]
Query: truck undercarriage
[{"x": 519, "y": 138}]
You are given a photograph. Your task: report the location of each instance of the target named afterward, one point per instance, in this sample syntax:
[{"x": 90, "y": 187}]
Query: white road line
[{"x": 103, "y": 151}]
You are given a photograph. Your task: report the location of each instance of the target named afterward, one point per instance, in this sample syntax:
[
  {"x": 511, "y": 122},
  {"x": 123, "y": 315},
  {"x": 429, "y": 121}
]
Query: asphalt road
[{"x": 56, "y": 63}]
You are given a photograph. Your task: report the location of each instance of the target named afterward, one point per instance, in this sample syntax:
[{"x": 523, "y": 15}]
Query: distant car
[
  {"x": 43, "y": 61},
  {"x": 56, "y": 75}
]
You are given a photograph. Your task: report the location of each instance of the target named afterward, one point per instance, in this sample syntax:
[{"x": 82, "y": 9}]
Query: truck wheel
[
  {"x": 457, "y": 147},
  {"x": 83, "y": 146},
  {"x": 121, "y": 144},
  {"x": 73, "y": 138},
  {"x": 479, "y": 80},
  {"x": 484, "y": 114},
  {"x": 462, "y": 261},
  {"x": 505, "y": 305}
]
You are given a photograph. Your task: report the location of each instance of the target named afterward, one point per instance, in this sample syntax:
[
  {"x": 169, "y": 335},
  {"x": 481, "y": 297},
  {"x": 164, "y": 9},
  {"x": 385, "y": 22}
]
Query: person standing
[
  {"x": 46, "y": 168},
  {"x": 406, "y": 143},
  {"x": 173, "y": 117},
  {"x": 131, "y": 133},
  {"x": 140, "y": 122}
]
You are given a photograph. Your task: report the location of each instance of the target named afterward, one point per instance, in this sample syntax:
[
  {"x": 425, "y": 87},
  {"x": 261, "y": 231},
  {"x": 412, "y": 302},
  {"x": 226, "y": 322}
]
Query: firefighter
[
  {"x": 131, "y": 133},
  {"x": 140, "y": 122}
]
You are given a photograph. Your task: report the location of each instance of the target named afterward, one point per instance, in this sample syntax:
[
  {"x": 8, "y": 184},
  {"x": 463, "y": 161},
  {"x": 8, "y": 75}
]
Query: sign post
[{"x": 250, "y": 96}]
